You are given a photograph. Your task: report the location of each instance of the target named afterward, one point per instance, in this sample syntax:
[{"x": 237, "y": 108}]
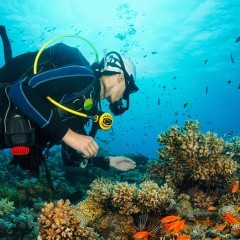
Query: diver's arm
[
  {"x": 29, "y": 95},
  {"x": 82, "y": 143},
  {"x": 121, "y": 163}
]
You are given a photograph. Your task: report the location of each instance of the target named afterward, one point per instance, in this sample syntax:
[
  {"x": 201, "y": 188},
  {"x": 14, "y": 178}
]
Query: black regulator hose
[{"x": 6, "y": 44}]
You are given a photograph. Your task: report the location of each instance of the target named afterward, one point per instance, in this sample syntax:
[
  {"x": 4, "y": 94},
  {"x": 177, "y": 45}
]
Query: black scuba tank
[{"x": 18, "y": 132}]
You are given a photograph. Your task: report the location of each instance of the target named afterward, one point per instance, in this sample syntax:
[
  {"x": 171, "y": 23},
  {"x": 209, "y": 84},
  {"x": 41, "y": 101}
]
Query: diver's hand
[
  {"x": 122, "y": 163},
  {"x": 82, "y": 143}
]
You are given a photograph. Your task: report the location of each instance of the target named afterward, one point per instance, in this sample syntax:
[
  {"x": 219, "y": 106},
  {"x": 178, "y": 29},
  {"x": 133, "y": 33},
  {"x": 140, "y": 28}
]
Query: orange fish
[
  {"x": 207, "y": 221},
  {"x": 170, "y": 218},
  {"x": 141, "y": 235},
  {"x": 180, "y": 225},
  {"x": 235, "y": 187},
  {"x": 231, "y": 219},
  {"x": 170, "y": 226},
  {"x": 184, "y": 237},
  {"x": 211, "y": 208},
  {"x": 218, "y": 227}
]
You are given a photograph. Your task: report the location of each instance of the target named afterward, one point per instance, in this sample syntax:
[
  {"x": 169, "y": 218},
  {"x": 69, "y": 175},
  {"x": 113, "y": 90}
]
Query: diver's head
[{"x": 124, "y": 69}]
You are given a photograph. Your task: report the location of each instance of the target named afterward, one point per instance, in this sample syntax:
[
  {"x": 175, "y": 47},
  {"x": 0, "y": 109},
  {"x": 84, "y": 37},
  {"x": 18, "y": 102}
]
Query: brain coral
[{"x": 187, "y": 152}]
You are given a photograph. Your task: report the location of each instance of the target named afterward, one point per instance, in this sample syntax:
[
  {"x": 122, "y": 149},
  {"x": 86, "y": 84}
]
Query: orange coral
[{"x": 58, "y": 221}]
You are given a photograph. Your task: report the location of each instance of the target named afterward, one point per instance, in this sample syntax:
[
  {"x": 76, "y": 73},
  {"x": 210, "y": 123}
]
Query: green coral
[{"x": 6, "y": 207}]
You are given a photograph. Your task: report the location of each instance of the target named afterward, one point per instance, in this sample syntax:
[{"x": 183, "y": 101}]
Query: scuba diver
[{"x": 56, "y": 104}]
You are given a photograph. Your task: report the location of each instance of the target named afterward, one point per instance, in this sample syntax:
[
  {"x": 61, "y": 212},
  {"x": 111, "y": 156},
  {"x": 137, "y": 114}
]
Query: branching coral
[
  {"x": 58, "y": 221},
  {"x": 152, "y": 197},
  {"x": 128, "y": 198},
  {"x": 193, "y": 154},
  {"x": 6, "y": 207},
  {"x": 124, "y": 196},
  {"x": 101, "y": 190},
  {"x": 232, "y": 148}
]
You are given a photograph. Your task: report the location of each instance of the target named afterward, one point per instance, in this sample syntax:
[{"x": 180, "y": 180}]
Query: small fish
[
  {"x": 211, "y": 208},
  {"x": 169, "y": 218},
  {"x": 153, "y": 52},
  {"x": 184, "y": 237},
  {"x": 231, "y": 218},
  {"x": 185, "y": 105},
  {"x": 229, "y": 81},
  {"x": 218, "y": 227},
  {"x": 208, "y": 222},
  {"x": 205, "y": 62},
  {"x": 231, "y": 57},
  {"x": 170, "y": 226},
  {"x": 235, "y": 187},
  {"x": 174, "y": 77},
  {"x": 228, "y": 134},
  {"x": 239, "y": 86},
  {"x": 237, "y": 39},
  {"x": 179, "y": 226},
  {"x": 158, "y": 101},
  {"x": 206, "y": 90},
  {"x": 141, "y": 235}
]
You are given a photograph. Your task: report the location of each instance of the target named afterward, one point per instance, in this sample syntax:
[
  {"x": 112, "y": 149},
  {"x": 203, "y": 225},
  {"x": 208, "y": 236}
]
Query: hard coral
[
  {"x": 152, "y": 197},
  {"x": 193, "y": 154},
  {"x": 88, "y": 211},
  {"x": 113, "y": 225},
  {"x": 58, "y": 221},
  {"x": 6, "y": 207},
  {"x": 101, "y": 190},
  {"x": 128, "y": 198},
  {"x": 123, "y": 197},
  {"x": 232, "y": 148}
]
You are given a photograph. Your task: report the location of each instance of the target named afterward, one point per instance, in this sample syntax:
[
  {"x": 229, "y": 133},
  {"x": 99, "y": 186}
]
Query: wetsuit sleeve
[
  {"x": 29, "y": 95},
  {"x": 101, "y": 162}
]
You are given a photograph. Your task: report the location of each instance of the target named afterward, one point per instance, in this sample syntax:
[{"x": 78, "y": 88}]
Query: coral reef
[
  {"x": 6, "y": 207},
  {"x": 124, "y": 196},
  {"x": 151, "y": 197},
  {"x": 58, "y": 221},
  {"x": 201, "y": 199},
  {"x": 113, "y": 225},
  {"x": 192, "y": 155},
  {"x": 101, "y": 190},
  {"x": 193, "y": 178},
  {"x": 232, "y": 148},
  {"x": 88, "y": 210},
  {"x": 130, "y": 199}
]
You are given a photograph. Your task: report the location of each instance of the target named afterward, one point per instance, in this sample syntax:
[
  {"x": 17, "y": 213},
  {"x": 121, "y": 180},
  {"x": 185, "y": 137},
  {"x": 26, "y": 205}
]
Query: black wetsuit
[{"x": 64, "y": 75}]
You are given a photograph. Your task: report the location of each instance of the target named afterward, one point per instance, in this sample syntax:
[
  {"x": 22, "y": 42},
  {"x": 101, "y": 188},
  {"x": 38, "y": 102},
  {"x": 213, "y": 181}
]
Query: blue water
[{"x": 181, "y": 49}]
